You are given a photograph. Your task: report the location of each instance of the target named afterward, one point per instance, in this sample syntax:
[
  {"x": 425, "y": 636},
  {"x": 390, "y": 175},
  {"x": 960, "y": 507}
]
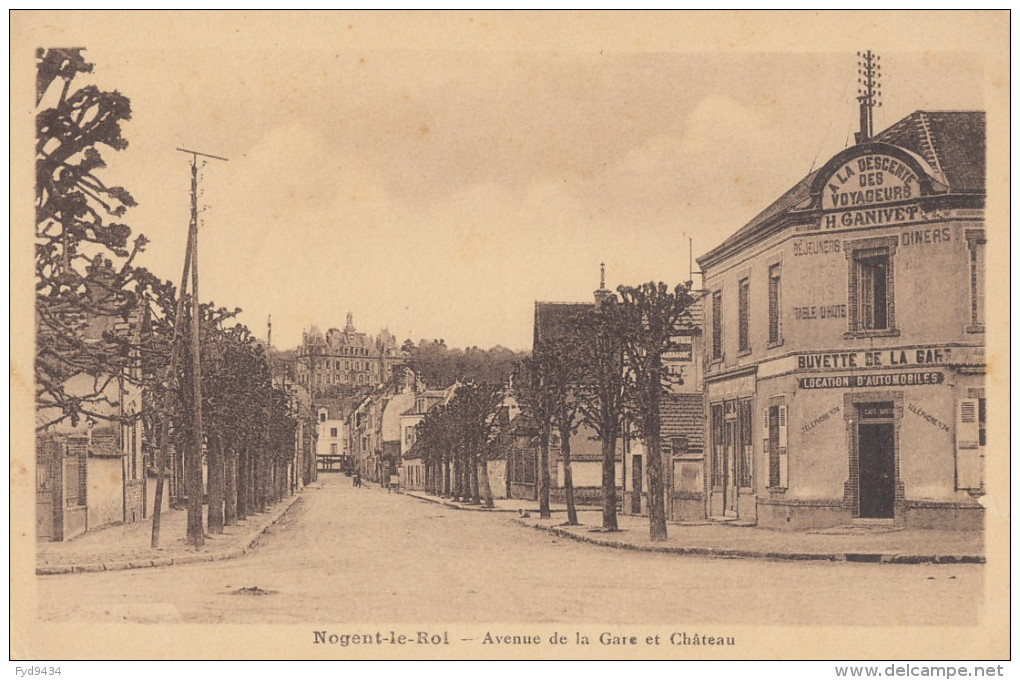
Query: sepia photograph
[{"x": 518, "y": 335}]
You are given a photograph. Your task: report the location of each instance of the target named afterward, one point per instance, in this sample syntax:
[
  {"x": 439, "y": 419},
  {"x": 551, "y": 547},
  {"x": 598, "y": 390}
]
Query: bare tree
[{"x": 650, "y": 319}]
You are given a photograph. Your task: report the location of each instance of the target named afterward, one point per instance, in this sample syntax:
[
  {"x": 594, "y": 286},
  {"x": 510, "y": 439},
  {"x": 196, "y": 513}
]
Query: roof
[
  {"x": 951, "y": 142},
  {"x": 552, "y": 319},
  {"x": 683, "y": 415}
]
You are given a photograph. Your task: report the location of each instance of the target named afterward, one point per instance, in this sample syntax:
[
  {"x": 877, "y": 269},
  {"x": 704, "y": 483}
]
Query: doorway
[
  {"x": 729, "y": 466},
  {"x": 877, "y": 464},
  {"x": 637, "y": 476}
]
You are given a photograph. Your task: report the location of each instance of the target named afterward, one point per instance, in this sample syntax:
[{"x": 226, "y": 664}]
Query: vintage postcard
[{"x": 518, "y": 335}]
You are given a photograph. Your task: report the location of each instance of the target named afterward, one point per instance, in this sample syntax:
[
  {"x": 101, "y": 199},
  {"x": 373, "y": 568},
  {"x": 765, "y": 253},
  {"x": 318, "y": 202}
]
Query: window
[
  {"x": 970, "y": 443},
  {"x": 976, "y": 256},
  {"x": 873, "y": 300},
  {"x": 333, "y": 449},
  {"x": 717, "y": 352},
  {"x": 775, "y": 443},
  {"x": 332, "y": 432},
  {"x": 775, "y": 305},
  {"x": 870, "y": 288},
  {"x": 322, "y": 417},
  {"x": 743, "y": 306}
]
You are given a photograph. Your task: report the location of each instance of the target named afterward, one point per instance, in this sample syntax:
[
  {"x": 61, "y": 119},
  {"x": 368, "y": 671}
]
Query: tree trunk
[
  {"x": 568, "y": 476},
  {"x": 506, "y": 472},
  {"x": 447, "y": 488},
  {"x": 230, "y": 490},
  {"x": 483, "y": 482},
  {"x": 216, "y": 494},
  {"x": 194, "y": 490},
  {"x": 543, "y": 476},
  {"x": 656, "y": 501},
  {"x": 456, "y": 478},
  {"x": 473, "y": 477},
  {"x": 609, "y": 522}
]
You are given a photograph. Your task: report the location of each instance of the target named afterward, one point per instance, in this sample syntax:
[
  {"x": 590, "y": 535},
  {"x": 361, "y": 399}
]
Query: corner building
[{"x": 845, "y": 340}]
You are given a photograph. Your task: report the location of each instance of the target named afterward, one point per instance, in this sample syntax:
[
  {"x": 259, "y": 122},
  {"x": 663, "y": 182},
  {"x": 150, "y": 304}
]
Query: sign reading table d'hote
[{"x": 858, "y": 194}]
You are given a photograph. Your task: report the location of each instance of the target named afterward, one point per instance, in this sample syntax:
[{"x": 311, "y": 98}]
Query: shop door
[
  {"x": 637, "y": 475},
  {"x": 877, "y": 469},
  {"x": 729, "y": 467}
]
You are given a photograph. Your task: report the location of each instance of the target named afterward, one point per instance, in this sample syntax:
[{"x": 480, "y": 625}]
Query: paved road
[{"x": 362, "y": 555}]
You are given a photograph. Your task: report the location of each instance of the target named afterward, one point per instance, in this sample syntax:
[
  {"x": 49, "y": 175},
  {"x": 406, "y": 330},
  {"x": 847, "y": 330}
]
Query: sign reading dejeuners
[{"x": 870, "y": 380}]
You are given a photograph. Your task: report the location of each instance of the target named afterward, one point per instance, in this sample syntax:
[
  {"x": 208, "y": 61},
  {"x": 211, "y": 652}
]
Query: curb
[
  {"x": 727, "y": 553},
  {"x": 456, "y": 506},
  {"x": 247, "y": 543}
]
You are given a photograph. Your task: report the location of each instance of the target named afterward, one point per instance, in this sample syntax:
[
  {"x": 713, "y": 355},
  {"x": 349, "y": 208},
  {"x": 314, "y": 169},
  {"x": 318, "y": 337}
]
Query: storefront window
[
  {"x": 744, "y": 473},
  {"x": 718, "y": 450}
]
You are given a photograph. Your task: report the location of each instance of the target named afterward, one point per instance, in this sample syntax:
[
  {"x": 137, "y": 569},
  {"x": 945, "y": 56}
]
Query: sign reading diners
[
  {"x": 859, "y": 189},
  {"x": 871, "y": 380}
]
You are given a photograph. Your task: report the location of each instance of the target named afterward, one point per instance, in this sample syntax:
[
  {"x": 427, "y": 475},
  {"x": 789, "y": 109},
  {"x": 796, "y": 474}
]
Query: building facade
[
  {"x": 845, "y": 339},
  {"x": 346, "y": 357}
]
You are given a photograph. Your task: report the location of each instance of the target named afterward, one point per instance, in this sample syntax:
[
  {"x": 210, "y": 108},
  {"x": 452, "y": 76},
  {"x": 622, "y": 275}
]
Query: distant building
[
  {"x": 345, "y": 357},
  {"x": 845, "y": 362}
]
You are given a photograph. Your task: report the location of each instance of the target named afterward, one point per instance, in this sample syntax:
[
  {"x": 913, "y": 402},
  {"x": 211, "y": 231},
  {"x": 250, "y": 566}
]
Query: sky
[{"x": 440, "y": 192}]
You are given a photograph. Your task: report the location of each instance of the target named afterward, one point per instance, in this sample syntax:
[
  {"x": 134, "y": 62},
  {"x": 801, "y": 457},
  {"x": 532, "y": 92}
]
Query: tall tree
[
  {"x": 561, "y": 363},
  {"x": 84, "y": 256},
  {"x": 535, "y": 395},
  {"x": 602, "y": 390},
  {"x": 651, "y": 318}
]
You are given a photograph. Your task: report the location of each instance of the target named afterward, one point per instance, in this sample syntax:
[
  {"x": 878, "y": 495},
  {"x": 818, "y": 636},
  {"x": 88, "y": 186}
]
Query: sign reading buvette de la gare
[{"x": 857, "y": 193}]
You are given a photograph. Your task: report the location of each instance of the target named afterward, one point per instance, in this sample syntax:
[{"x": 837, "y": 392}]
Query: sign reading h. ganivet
[{"x": 860, "y": 187}]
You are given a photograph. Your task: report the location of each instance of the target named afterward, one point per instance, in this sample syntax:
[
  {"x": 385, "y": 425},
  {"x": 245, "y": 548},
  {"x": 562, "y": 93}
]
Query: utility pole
[
  {"x": 869, "y": 92},
  {"x": 196, "y": 532}
]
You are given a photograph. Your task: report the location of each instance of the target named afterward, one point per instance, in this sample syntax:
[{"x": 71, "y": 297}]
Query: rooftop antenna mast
[{"x": 869, "y": 92}]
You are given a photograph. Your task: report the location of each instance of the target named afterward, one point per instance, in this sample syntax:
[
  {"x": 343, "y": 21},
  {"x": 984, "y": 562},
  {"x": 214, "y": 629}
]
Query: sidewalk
[
  {"x": 890, "y": 545},
  {"x": 126, "y": 546}
]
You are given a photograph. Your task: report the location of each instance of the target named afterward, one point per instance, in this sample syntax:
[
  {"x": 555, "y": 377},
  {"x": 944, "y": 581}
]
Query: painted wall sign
[
  {"x": 904, "y": 379},
  {"x": 927, "y": 417},
  {"x": 812, "y": 424},
  {"x": 914, "y": 356},
  {"x": 876, "y": 411},
  {"x": 870, "y": 180},
  {"x": 918, "y": 237},
  {"x": 816, "y": 246},
  {"x": 820, "y": 312},
  {"x": 873, "y": 217}
]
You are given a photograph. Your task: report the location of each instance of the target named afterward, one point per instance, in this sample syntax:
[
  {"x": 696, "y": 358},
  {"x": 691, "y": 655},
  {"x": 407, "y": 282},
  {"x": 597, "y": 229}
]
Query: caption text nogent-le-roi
[{"x": 605, "y": 639}]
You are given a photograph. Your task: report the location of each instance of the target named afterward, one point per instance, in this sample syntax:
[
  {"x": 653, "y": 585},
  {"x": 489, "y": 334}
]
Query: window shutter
[
  {"x": 784, "y": 463},
  {"x": 765, "y": 422},
  {"x": 969, "y": 454}
]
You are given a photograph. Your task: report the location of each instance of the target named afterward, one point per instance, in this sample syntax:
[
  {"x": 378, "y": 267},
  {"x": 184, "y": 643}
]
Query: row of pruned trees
[
  {"x": 605, "y": 369},
  {"x": 457, "y": 440},
  {"x": 87, "y": 277}
]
